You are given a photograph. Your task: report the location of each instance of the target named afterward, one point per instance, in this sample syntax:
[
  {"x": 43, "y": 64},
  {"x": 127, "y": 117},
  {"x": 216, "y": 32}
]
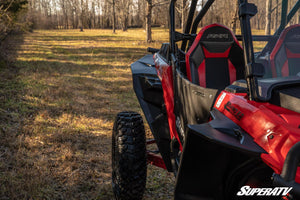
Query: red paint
[
  {"x": 165, "y": 74},
  {"x": 188, "y": 68},
  {"x": 273, "y": 128},
  {"x": 208, "y": 54},
  {"x": 232, "y": 72},
  {"x": 285, "y": 69},
  {"x": 202, "y": 74},
  {"x": 291, "y": 54},
  {"x": 156, "y": 160}
]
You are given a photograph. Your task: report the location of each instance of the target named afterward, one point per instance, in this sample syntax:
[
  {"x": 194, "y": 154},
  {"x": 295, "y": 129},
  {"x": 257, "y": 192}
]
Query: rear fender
[
  {"x": 210, "y": 153},
  {"x": 148, "y": 89}
]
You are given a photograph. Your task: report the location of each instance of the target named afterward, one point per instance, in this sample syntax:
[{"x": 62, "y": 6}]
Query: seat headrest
[
  {"x": 291, "y": 38},
  {"x": 216, "y": 38},
  {"x": 294, "y": 47},
  {"x": 292, "y": 34},
  {"x": 216, "y": 33}
]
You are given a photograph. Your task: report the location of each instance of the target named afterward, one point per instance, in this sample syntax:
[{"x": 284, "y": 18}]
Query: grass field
[{"x": 59, "y": 93}]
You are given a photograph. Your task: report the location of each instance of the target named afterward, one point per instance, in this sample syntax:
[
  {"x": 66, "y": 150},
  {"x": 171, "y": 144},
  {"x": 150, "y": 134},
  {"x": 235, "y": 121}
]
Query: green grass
[{"x": 59, "y": 93}]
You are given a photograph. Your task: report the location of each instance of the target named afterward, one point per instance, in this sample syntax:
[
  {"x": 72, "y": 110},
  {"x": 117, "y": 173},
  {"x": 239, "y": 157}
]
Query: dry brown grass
[{"x": 59, "y": 93}]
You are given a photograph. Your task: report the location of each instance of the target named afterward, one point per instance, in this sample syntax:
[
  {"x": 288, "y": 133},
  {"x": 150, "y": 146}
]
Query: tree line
[
  {"x": 124, "y": 14},
  {"x": 10, "y": 16}
]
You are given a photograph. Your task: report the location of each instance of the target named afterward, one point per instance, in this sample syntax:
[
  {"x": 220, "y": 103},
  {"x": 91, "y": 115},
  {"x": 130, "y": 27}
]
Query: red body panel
[
  {"x": 156, "y": 160},
  {"x": 153, "y": 158},
  {"x": 273, "y": 128},
  {"x": 165, "y": 74}
]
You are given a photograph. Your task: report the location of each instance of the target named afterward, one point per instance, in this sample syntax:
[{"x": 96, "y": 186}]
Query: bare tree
[
  {"x": 202, "y": 5},
  {"x": 183, "y": 12},
  {"x": 148, "y": 20},
  {"x": 114, "y": 16},
  {"x": 235, "y": 17},
  {"x": 124, "y": 10},
  {"x": 125, "y": 13},
  {"x": 277, "y": 13},
  {"x": 268, "y": 17},
  {"x": 149, "y": 8}
]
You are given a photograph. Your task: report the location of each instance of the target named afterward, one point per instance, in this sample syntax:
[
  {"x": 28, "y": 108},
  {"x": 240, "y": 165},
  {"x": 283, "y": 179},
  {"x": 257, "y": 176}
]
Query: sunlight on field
[
  {"x": 62, "y": 99},
  {"x": 60, "y": 93}
]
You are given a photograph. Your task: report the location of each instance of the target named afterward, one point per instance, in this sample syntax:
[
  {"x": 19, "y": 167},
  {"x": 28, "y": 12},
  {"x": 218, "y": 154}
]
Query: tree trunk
[
  {"x": 202, "y": 5},
  {"x": 93, "y": 15},
  {"x": 183, "y": 15},
  {"x": 125, "y": 22},
  {"x": 235, "y": 17},
  {"x": 268, "y": 17},
  {"x": 81, "y": 16},
  {"x": 298, "y": 18},
  {"x": 276, "y": 15},
  {"x": 138, "y": 18},
  {"x": 114, "y": 16},
  {"x": 148, "y": 21}
]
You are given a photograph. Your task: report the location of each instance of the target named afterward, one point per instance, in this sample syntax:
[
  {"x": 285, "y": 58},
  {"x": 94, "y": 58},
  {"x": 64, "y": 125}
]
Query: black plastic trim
[
  {"x": 211, "y": 153},
  {"x": 148, "y": 89},
  {"x": 289, "y": 170},
  {"x": 224, "y": 131}
]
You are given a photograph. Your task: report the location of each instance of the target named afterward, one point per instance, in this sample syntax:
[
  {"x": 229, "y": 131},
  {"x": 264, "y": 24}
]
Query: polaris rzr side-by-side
[{"x": 226, "y": 119}]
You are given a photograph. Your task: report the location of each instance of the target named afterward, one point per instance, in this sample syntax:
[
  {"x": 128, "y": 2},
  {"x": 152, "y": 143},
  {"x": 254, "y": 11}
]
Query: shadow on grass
[
  {"x": 87, "y": 53},
  {"x": 98, "y": 37},
  {"x": 56, "y": 119}
]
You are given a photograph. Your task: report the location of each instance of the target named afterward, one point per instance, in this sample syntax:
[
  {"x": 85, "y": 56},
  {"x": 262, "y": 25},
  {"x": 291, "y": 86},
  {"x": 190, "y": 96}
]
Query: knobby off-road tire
[{"x": 129, "y": 161}]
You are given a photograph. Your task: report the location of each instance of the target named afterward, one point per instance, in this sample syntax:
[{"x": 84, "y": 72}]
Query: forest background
[{"x": 124, "y": 14}]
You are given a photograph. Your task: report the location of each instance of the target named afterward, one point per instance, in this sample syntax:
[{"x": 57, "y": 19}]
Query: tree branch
[{"x": 160, "y": 3}]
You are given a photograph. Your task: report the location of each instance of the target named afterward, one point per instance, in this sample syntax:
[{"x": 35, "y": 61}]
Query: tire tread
[{"x": 130, "y": 170}]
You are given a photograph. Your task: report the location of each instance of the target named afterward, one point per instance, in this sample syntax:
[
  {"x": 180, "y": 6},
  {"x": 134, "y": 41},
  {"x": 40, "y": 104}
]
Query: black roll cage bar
[{"x": 246, "y": 11}]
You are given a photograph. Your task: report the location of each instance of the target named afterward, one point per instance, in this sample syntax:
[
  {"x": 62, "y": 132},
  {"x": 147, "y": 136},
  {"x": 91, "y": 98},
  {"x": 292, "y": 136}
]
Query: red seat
[
  {"x": 215, "y": 59},
  {"x": 285, "y": 57}
]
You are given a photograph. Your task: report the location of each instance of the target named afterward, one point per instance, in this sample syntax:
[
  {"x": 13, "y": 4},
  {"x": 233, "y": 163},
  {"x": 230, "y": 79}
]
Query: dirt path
[{"x": 59, "y": 93}]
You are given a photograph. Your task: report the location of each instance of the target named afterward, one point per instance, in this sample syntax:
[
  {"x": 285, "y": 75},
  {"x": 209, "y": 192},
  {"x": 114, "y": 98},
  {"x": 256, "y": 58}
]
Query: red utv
[{"x": 226, "y": 119}]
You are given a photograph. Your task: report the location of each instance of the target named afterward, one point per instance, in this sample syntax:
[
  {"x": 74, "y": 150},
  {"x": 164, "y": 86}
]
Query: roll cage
[{"x": 253, "y": 70}]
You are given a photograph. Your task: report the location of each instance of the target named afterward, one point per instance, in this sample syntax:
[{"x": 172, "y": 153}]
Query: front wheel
[{"x": 129, "y": 161}]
